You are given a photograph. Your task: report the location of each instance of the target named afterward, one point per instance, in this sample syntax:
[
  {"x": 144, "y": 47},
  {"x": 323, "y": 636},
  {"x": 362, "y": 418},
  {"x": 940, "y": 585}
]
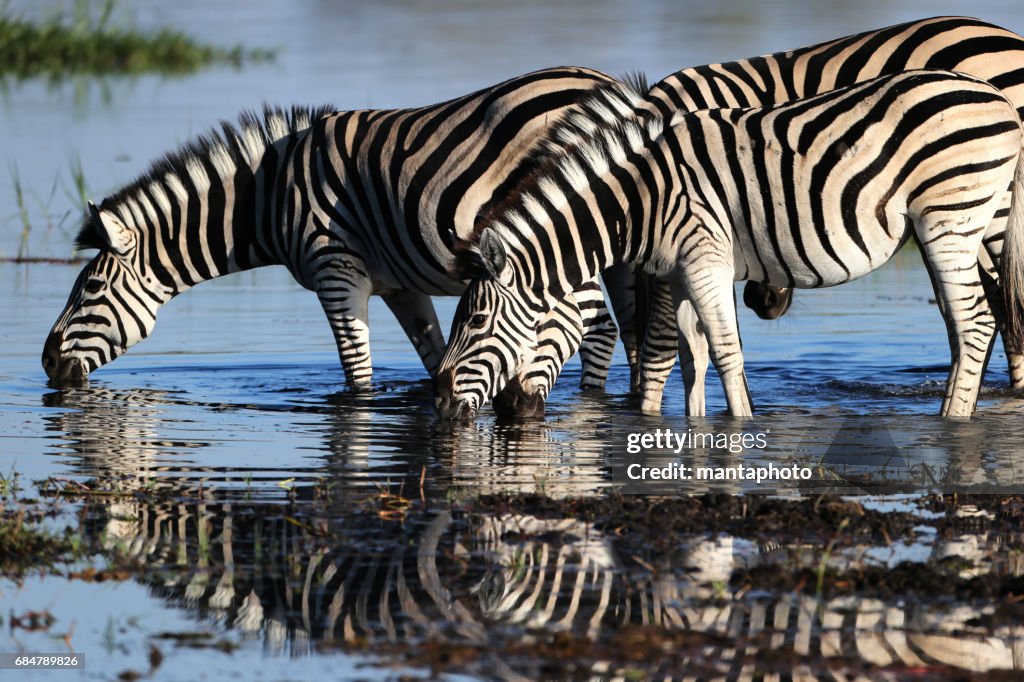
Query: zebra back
[{"x": 951, "y": 43}]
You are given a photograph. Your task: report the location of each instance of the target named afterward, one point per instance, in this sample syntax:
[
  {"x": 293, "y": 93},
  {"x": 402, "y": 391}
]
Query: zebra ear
[
  {"x": 112, "y": 231},
  {"x": 492, "y": 251}
]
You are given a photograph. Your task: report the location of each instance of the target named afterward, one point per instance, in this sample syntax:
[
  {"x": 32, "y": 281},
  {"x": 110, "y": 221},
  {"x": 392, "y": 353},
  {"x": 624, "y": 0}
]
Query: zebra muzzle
[
  {"x": 448, "y": 406},
  {"x": 62, "y": 371}
]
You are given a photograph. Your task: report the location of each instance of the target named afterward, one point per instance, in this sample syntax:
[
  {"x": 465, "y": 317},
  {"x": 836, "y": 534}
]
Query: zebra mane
[
  {"x": 590, "y": 135},
  {"x": 607, "y": 105},
  {"x": 231, "y": 146}
]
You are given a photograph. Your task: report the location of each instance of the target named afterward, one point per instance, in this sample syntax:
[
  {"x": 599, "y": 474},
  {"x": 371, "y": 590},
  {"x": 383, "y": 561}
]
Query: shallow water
[
  {"x": 194, "y": 396},
  {"x": 249, "y": 490},
  {"x": 305, "y": 530}
]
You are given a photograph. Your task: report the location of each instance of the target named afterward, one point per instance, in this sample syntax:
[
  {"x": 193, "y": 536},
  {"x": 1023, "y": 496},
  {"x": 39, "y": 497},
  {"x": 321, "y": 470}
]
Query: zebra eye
[
  {"x": 478, "y": 321},
  {"x": 93, "y": 286}
]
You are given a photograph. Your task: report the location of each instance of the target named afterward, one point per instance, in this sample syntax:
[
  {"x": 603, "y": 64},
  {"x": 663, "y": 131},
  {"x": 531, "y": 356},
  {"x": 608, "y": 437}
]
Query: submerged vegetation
[
  {"x": 29, "y": 545},
  {"x": 75, "y": 190},
  {"x": 88, "y": 42}
]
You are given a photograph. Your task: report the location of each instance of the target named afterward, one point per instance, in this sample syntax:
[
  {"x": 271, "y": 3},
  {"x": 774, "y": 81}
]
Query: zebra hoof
[
  {"x": 360, "y": 386},
  {"x": 514, "y": 403}
]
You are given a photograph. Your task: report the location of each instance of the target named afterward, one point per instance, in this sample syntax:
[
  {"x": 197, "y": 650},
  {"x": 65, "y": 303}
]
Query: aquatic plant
[
  {"x": 28, "y": 544},
  {"x": 88, "y": 42},
  {"x": 77, "y": 194},
  {"x": 26, "y": 224}
]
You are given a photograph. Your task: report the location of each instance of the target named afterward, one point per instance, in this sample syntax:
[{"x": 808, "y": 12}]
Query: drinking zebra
[
  {"x": 961, "y": 44},
  {"x": 812, "y": 193},
  {"x": 352, "y": 203}
]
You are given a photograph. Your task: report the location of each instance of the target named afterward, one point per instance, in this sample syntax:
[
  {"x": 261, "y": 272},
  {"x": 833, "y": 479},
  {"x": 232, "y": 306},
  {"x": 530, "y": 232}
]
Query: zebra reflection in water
[
  {"x": 456, "y": 577},
  {"x": 330, "y": 567}
]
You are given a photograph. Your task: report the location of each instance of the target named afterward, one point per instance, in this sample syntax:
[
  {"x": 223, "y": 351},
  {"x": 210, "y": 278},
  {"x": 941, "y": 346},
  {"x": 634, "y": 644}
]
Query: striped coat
[
  {"x": 811, "y": 193},
  {"x": 354, "y": 204}
]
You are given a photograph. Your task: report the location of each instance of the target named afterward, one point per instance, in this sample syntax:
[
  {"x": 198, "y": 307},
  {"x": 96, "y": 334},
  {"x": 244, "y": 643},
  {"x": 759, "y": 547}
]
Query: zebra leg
[
  {"x": 624, "y": 292},
  {"x": 1015, "y": 364},
  {"x": 709, "y": 287},
  {"x": 971, "y": 327},
  {"x": 989, "y": 260},
  {"x": 415, "y": 312},
  {"x": 599, "y": 336},
  {"x": 673, "y": 330},
  {"x": 345, "y": 300},
  {"x": 558, "y": 338},
  {"x": 970, "y": 324},
  {"x": 989, "y": 273},
  {"x": 693, "y": 357},
  {"x": 658, "y": 353}
]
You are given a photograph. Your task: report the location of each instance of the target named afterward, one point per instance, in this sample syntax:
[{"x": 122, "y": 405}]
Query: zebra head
[
  {"x": 112, "y": 305},
  {"x": 494, "y": 333}
]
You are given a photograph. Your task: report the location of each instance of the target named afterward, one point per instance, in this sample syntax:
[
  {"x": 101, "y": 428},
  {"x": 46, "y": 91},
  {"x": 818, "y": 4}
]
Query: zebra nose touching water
[
  {"x": 811, "y": 193},
  {"x": 111, "y": 307}
]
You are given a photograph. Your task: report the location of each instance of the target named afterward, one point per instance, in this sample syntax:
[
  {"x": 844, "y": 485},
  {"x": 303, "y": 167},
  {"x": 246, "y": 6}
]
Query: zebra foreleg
[
  {"x": 673, "y": 329},
  {"x": 415, "y": 312},
  {"x": 345, "y": 303},
  {"x": 709, "y": 287},
  {"x": 693, "y": 357},
  {"x": 599, "y": 336},
  {"x": 658, "y": 354}
]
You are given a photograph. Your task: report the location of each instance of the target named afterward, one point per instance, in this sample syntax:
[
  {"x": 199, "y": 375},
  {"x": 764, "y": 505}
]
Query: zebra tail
[{"x": 1012, "y": 274}]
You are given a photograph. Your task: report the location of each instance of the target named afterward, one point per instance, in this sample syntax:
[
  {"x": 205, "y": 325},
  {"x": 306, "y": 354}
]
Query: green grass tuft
[
  {"x": 87, "y": 43},
  {"x": 29, "y": 546},
  {"x": 26, "y": 224}
]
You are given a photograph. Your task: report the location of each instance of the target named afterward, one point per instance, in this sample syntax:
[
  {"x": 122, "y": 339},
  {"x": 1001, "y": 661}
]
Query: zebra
[
  {"x": 815, "y": 192},
  {"x": 350, "y": 202},
  {"x": 962, "y": 44}
]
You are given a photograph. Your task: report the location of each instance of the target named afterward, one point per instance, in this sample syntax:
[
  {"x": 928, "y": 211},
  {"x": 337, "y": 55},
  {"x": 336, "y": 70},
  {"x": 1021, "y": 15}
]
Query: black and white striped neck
[{"x": 201, "y": 212}]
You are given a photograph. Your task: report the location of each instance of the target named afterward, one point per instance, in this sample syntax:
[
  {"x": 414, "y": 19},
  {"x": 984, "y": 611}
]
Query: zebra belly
[
  {"x": 389, "y": 269},
  {"x": 816, "y": 262},
  {"x": 421, "y": 276}
]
